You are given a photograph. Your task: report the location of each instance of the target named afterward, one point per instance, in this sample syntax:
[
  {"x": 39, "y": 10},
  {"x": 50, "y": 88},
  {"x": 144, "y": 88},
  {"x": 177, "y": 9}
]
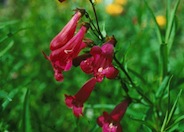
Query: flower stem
[
  {"x": 92, "y": 26},
  {"x": 131, "y": 82},
  {"x": 96, "y": 18}
]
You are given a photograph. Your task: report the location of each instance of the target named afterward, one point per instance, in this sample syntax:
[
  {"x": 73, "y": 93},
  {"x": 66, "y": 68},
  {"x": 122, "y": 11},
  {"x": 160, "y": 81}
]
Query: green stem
[
  {"x": 131, "y": 82},
  {"x": 96, "y": 18},
  {"x": 164, "y": 59},
  {"x": 92, "y": 25}
]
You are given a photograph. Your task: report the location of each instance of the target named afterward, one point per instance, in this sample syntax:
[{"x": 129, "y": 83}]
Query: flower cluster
[{"x": 65, "y": 49}]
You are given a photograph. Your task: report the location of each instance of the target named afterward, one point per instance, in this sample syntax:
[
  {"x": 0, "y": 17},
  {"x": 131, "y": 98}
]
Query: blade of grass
[
  {"x": 4, "y": 24},
  {"x": 26, "y": 124},
  {"x": 170, "y": 21},
  {"x": 164, "y": 58},
  {"x": 146, "y": 123},
  {"x": 10, "y": 96},
  {"x": 172, "y": 36},
  {"x": 4, "y": 95},
  {"x": 6, "y": 48},
  {"x": 175, "y": 122},
  {"x": 170, "y": 113},
  {"x": 164, "y": 122},
  {"x": 164, "y": 85},
  {"x": 155, "y": 21}
]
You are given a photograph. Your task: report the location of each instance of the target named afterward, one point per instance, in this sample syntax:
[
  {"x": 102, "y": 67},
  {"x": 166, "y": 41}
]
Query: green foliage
[{"x": 150, "y": 59}]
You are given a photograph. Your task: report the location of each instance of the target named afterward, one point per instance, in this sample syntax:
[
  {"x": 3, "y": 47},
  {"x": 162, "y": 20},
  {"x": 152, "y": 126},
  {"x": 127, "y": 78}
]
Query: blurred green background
[{"x": 26, "y": 29}]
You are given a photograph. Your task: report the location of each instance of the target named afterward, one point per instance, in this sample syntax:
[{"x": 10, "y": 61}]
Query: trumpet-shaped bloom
[
  {"x": 111, "y": 122},
  {"x": 61, "y": 58},
  {"x": 67, "y": 32},
  {"x": 100, "y": 64},
  {"x": 76, "y": 102}
]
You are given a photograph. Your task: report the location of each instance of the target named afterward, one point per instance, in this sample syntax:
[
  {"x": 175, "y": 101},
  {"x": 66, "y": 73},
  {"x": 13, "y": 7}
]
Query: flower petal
[
  {"x": 95, "y": 50},
  {"x": 66, "y": 33},
  {"x": 68, "y": 100},
  {"x": 87, "y": 65},
  {"x": 78, "y": 111},
  {"x": 110, "y": 72}
]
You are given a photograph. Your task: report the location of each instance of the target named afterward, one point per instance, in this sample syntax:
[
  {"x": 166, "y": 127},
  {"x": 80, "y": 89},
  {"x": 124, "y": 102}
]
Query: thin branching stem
[
  {"x": 92, "y": 25},
  {"x": 96, "y": 18},
  {"x": 91, "y": 22},
  {"x": 123, "y": 69},
  {"x": 94, "y": 31},
  {"x": 131, "y": 82}
]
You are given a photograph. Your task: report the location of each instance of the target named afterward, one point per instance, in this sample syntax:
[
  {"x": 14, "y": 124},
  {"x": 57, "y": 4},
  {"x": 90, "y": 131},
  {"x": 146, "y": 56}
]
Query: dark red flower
[
  {"x": 67, "y": 32},
  {"x": 76, "y": 102},
  {"x": 111, "y": 122},
  {"x": 100, "y": 64}
]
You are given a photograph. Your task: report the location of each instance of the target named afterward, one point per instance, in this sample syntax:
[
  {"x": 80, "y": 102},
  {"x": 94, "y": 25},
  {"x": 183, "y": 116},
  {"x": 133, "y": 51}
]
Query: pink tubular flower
[
  {"x": 76, "y": 102},
  {"x": 61, "y": 58},
  {"x": 111, "y": 122},
  {"x": 100, "y": 64},
  {"x": 67, "y": 32}
]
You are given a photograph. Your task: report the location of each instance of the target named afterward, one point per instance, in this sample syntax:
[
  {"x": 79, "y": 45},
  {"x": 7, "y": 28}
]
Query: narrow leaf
[
  {"x": 171, "y": 113},
  {"x": 4, "y": 95},
  {"x": 164, "y": 59},
  {"x": 6, "y": 48},
  {"x": 146, "y": 123},
  {"x": 171, "y": 21},
  {"x": 164, "y": 122},
  {"x": 165, "y": 83},
  {"x": 175, "y": 122},
  {"x": 26, "y": 125},
  {"x": 155, "y": 21}
]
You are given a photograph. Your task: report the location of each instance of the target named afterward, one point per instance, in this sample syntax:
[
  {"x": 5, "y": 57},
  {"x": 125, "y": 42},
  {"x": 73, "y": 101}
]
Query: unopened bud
[{"x": 111, "y": 40}]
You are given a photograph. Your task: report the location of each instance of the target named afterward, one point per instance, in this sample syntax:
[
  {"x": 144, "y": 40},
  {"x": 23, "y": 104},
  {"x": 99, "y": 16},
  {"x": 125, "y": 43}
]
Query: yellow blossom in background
[
  {"x": 114, "y": 9},
  {"x": 98, "y": 1},
  {"x": 121, "y": 2},
  {"x": 161, "y": 20}
]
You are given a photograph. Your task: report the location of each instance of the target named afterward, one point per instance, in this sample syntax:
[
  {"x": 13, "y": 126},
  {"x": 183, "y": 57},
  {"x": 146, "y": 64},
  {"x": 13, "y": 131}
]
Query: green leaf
[
  {"x": 4, "y": 95},
  {"x": 6, "y": 48},
  {"x": 155, "y": 21},
  {"x": 170, "y": 21},
  {"x": 164, "y": 85},
  {"x": 175, "y": 123},
  {"x": 26, "y": 124},
  {"x": 146, "y": 123},
  {"x": 164, "y": 58},
  {"x": 104, "y": 33},
  {"x": 170, "y": 113},
  {"x": 164, "y": 122},
  {"x": 99, "y": 106},
  {"x": 9, "y": 98},
  {"x": 4, "y": 24}
]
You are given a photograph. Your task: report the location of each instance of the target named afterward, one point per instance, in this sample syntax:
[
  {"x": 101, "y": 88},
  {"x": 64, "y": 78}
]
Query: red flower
[
  {"x": 61, "y": 58},
  {"x": 111, "y": 122},
  {"x": 67, "y": 32},
  {"x": 100, "y": 64},
  {"x": 76, "y": 102}
]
